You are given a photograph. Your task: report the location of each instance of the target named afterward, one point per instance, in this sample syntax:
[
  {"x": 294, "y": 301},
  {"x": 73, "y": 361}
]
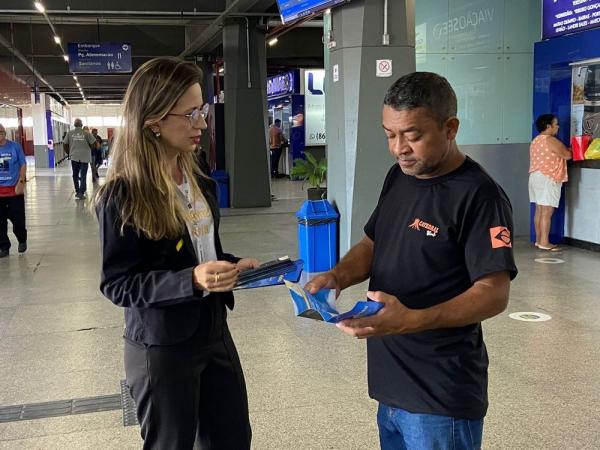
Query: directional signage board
[{"x": 99, "y": 57}]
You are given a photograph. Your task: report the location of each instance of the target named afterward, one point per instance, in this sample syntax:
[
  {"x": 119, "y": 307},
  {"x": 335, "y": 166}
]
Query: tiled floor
[{"x": 60, "y": 339}]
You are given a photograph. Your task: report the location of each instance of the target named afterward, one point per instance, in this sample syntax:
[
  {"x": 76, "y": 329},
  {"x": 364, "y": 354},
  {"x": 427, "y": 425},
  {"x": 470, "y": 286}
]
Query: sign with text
[
  {"x": 280, "y": 85},
  {"x": 99, "y": 57},
  {"x": 314, "y": 107},
  {"x": 292, "y": 10},
  {"x": 568, "y": 16}
]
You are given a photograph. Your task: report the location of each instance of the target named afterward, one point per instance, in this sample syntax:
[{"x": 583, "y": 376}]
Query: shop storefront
[
  {"x": 286, "y": 103},
  {"x": 297, "y": 98},
  {"x": 567, "y": 84}
]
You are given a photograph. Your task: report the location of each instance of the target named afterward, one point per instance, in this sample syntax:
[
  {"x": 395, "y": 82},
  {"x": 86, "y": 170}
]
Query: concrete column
[
  {"x": 40, "y": 131},
  {"x": 246, "y": 149},
  {"x": 208, "y": 91},
  {"x": 358, "y": 159}
]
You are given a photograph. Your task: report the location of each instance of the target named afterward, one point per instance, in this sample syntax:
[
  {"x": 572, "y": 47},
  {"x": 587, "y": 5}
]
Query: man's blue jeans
[
  {"x": 402, "y": 430},
  {"x": 79, "y": 176}
]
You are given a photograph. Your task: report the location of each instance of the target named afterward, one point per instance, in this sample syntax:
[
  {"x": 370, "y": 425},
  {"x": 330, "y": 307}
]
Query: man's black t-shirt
[{"x": 433, "y": 239}]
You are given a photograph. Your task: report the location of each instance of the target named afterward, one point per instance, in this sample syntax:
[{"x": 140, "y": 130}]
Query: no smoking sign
[{"x": 384, "y": 67}]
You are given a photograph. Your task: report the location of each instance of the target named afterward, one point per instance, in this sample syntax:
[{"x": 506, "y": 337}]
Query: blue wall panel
[{"x": 552, "y": 92}]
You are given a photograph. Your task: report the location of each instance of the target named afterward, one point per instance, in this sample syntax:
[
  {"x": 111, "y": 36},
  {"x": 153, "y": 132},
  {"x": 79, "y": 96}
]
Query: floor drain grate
[
  {"x": 129, "y": 416},
  {"x": 87, "y": 405}
]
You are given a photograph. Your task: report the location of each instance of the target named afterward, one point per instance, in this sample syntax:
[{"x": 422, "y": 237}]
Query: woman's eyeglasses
[{"x": 195, "y": 115}]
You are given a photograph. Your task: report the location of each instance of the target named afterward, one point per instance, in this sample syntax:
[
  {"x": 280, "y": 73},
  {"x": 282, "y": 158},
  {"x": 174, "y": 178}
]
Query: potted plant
[{"x": 313, "y": 172}]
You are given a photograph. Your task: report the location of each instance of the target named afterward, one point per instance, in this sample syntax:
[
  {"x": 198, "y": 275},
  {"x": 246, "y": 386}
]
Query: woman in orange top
[{"x": 547, "y": 172}]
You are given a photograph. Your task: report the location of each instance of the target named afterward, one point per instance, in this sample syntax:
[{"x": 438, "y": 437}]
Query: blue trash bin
[
  {"x": 317, "y": 235},
  {"x": 222, "y": 179}
]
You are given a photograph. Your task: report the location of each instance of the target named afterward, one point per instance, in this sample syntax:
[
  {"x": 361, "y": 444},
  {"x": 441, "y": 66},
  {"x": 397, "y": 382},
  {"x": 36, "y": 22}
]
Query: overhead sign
[
  {"x": 99, "y": 57},
  {"x": 314, "y": 107},
  {"x": 280, "y": 85},
  {"x": 568, "y": 16},
  {"x": 292, "y": 10}
]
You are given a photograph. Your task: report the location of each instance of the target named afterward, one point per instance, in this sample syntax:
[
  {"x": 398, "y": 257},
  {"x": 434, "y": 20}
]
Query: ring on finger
[{"x": 216, "y": 277}]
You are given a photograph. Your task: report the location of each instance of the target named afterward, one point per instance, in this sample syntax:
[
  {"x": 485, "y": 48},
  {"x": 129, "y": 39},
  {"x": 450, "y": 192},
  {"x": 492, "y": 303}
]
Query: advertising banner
[
  {"x": 314, "y": 107},
  {"x": 568, "y": 16}
]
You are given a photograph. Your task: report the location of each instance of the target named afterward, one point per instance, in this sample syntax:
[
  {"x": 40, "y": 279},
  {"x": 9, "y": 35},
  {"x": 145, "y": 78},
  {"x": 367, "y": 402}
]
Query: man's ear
[{"x": 452, "y": 125}]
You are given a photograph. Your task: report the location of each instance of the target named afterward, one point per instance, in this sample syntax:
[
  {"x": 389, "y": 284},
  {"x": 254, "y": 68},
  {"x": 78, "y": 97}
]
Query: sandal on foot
[{"x": 554, "y": 248}]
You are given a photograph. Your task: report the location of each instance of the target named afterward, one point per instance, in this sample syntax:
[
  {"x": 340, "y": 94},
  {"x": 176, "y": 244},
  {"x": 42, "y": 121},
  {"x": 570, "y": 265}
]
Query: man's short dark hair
[
  {"x": 78, "y": 123},
  {"x": 277, "y": 120},
  {"x": 544, "y": 121},
  {"x": 423, "y": 90}
]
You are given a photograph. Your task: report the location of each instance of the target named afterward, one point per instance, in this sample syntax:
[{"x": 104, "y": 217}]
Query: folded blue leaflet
[
  {"x": 316, "y": 306},
  {"x": 272, "y": 273}
]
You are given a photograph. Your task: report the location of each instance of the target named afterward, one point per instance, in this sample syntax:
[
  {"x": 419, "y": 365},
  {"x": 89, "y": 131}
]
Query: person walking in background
[
  {"x": 276, "y": 142},
  {"x": 163, "y": 263},
  {"x": 93, "y": 152},
  {"x": 547, "y": 172},
  {"x": 13, "y": 171},
  {"x": 96, "y": 154},
  {"x": 78, "y": 144}
]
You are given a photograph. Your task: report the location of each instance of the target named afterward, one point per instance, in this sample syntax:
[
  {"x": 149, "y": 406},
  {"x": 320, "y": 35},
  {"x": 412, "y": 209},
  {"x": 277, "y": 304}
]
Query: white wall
[{"x": 97, "y": 116}]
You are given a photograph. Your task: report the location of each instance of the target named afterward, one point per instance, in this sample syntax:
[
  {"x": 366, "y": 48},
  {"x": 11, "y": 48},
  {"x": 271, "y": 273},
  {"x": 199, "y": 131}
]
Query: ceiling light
[
  {"x": 74, "y": 77},
  {"x": 78, "y": 85},
  {"x": 57, "y": 40},
  {"x": 39, "y": 6},
  {"x": 66, "y": 58},
  {"x": 273, "y": 41},
  {"x": 328, "y": 11}
]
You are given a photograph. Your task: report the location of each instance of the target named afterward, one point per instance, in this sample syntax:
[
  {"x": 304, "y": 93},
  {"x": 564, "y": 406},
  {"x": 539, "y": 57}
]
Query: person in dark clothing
[
  {"x": 97, "y": 157},
  {"x": 438, "y": 252},
  {"x": 162, "y": 261}
]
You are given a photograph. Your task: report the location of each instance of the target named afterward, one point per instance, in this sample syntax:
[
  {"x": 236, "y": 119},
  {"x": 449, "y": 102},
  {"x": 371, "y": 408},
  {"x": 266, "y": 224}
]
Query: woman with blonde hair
[{"x": 163, "y": 263}]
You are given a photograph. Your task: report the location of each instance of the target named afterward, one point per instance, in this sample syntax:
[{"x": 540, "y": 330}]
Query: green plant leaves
[{"x": 310, "y": 170}]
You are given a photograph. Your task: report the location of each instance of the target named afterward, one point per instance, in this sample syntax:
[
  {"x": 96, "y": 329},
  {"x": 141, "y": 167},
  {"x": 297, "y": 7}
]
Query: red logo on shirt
[
  {"x": 500, "y": 237},
  {"x": 417, "y": 224}
]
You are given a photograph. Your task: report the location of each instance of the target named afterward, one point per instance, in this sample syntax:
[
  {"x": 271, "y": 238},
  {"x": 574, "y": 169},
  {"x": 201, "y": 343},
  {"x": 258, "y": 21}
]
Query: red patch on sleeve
[{"x": 500, "y": 237}]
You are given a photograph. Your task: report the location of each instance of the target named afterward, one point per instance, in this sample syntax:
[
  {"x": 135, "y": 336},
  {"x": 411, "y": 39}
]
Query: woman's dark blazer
[{"x": 152, "y": 280}]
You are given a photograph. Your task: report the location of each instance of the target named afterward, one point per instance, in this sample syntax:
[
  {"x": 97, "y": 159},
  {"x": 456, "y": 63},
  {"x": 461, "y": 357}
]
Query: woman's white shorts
[{"x": 544, "y": 190}]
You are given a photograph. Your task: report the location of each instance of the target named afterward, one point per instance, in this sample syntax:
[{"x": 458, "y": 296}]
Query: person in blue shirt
[{"x": 12, "y": 189}]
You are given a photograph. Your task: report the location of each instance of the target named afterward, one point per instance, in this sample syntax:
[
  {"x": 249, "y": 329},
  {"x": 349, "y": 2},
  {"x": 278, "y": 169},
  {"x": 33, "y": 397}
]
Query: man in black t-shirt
[{"x": 438, "y": 252}]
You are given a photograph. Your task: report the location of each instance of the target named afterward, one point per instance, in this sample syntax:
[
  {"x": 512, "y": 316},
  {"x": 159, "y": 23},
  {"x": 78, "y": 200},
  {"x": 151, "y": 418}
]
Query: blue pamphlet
[
  {"x": 316, "y": 306},
  {"x": 272, "y": 273}
]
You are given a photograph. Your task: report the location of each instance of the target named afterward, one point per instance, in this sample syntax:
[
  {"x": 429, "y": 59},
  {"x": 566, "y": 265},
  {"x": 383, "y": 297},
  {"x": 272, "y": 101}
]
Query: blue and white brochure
[
  {"x": 316, "y": 306},
  {"x": 272, "y": 276}
]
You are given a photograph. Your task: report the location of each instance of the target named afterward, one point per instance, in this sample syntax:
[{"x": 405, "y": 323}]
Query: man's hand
[
  {"x": 20, "y": 188},
  {"x": 247, "y": 264},
  {"x": 325, "y": 281},
  {"x": 393, "y": 318}
]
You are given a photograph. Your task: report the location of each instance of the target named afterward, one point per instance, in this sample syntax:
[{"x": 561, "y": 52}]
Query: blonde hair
[{"x": 139, "y": 176}]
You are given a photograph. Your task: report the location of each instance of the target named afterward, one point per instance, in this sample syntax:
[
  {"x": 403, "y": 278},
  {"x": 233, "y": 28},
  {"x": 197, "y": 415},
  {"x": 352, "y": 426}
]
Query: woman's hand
[
  {"x": 247, "y": 264},
  {"x": 215, "y": 276}
]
